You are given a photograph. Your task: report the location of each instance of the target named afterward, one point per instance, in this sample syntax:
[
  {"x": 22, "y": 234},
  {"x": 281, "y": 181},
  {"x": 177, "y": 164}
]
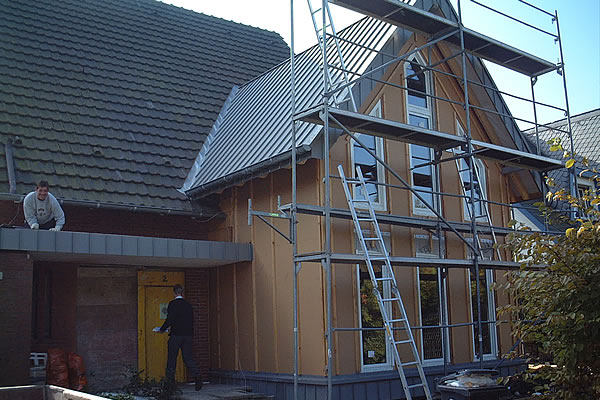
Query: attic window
[
  {"x": 585, "y": 189},
  {"x": 167, "y": 161}
]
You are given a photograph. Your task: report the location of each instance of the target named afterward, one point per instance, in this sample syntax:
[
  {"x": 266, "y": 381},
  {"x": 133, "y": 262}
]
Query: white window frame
[
  {"x": 416, "y": 208},
  {"x": 482, "y": 174},
  {"x": 389, "y": 364},
  {"x": 489, "y": 281},
  {"x": 584, "y": 184},
  {"x": 411, "y": 108},
  {"x": 380, "y": 205},
  {"x": 441, "y": 292},
  {"x": 423, "y": 112}
]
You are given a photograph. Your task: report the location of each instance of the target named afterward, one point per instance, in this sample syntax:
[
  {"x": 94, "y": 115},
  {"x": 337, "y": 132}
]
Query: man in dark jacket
[{"x": 180, "y": 318}]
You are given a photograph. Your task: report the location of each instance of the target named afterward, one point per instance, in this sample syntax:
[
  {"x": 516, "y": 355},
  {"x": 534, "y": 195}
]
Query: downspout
[{"x": 10, "y": 166}]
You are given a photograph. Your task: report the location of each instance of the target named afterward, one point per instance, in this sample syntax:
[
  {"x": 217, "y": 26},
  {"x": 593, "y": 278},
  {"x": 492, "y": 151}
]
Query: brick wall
[
  {"x": 55, "y": 291},
  {"x": 15, "y": 318},
  {"x": 196, "y": 292},
  {"x": 107, "y": 324},
  {"x": 83, "y": 219}
]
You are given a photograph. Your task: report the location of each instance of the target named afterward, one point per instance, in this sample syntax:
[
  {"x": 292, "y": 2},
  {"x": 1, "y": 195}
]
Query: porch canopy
[{"x": 108, "y": 249}]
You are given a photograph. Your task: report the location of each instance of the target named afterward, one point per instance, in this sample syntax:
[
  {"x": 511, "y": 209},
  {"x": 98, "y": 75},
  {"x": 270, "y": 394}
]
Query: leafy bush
[{"x": 558, "y": 299}]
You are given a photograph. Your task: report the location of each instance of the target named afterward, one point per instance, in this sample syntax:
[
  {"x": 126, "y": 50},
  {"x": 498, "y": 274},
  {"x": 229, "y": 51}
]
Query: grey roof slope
[
  {"x": 255, "y": 124},
  {"x": 111, "y": 100},
  {"x": 585, "y": 129}
]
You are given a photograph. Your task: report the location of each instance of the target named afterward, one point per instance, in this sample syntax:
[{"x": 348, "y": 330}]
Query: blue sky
[{"x": 580, "y": 32}]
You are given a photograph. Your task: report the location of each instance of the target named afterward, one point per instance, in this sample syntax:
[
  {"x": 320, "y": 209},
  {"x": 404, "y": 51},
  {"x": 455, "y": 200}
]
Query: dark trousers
[{"x": 185, "y": 344}]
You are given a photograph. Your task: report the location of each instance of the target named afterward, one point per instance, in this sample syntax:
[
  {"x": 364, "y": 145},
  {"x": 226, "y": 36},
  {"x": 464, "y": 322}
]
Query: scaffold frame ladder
[{"x": 321, "y": 38}]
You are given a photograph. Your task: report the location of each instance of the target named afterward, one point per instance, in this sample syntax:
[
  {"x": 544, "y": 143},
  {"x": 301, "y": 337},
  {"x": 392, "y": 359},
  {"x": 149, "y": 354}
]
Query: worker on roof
[{"x": 42, "y": 210}]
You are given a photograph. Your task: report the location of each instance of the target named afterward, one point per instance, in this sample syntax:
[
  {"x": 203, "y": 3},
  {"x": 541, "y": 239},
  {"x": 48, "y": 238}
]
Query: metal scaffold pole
[
  {"x": 471, "y": 163},
  {"x": 293, "y": 227},
  {"x": 327, "y": 260},
  {"x": 572, "y": 172}
]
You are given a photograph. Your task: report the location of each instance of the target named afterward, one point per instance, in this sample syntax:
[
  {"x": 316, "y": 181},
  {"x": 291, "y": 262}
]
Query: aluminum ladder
[
  {"x": 485, "y": 215},
  {"x": 390, "y": 322},
  {"x": 316, "y": 14}
]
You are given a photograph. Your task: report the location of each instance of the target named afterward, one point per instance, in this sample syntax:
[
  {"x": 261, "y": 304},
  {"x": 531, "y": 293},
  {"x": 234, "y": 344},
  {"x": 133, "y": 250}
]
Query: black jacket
[{"x": 180, "y": 317}]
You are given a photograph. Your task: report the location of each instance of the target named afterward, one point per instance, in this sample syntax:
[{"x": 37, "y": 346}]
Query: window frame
[
  {"x": 483, "y": 184},
  {"x": 381, "y": 204},
  {"x": 389, "y": 364},
  {"x": 422, "y": 112},
  {"x": 417, "y": 210},
  {"x": 442, "y": 291},
  {"x": 585, "y": 184},
  {"x": 491, "y": 306}
]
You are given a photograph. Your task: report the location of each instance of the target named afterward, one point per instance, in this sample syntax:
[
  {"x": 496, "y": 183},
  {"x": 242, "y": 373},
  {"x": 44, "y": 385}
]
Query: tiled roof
[
  {"x": 585, "y": 129},
  {"x": 111, "y": 100}
]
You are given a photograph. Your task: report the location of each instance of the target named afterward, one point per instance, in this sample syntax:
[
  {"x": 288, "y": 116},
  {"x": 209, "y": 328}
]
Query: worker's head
[
  {"x": 42, "y": 190},
  {"x": 178, "y": 290}
]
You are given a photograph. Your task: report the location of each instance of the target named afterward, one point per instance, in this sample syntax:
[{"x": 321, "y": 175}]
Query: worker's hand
[
  {"x": 55, "y": 229},
  {"x": 35, "y": 226}
]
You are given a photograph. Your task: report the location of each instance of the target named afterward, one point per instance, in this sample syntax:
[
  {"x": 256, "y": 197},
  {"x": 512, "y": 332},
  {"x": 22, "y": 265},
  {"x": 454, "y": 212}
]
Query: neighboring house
[
  {"x": 110, "y": 101},
  {"x": 586, "y": 142},
  {"x": 253, "y": 302}
]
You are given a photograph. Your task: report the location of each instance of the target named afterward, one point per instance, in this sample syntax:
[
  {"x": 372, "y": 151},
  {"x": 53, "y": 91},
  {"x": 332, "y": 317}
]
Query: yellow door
[{"x": 155, "y": 291}]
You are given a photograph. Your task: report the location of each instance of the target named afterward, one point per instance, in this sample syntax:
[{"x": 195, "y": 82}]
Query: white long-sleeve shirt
[{"x": 39, "y": 212}]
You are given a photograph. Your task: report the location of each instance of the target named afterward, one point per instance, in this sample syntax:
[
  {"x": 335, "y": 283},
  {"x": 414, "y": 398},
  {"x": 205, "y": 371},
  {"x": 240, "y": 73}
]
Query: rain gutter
[
  {"x": 265, "y": 167},
  {"x": 118, "y": 207}
]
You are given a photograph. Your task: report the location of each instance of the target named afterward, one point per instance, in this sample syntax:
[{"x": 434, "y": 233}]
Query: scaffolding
[{"x": 343, "y": 116}]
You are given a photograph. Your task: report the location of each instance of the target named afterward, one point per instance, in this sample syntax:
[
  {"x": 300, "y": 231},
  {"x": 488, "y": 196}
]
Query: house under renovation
[{"x": 338, "y": 234}]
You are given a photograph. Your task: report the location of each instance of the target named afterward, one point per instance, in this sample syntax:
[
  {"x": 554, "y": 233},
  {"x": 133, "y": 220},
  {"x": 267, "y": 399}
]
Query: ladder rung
[
  {"x": 364, "y": 219},
  {"x": 384, "y": 279},
  {"x": 317, "y": 10},
  {"x": 378, "y": 259},
  {"x": 359, "y": 200},
  {"x": 415, "y": 385},
  {"x": 390, "y": 299},
  {"x": 409, "y": 363},
  {"x": 391, "y": 321},
  {"x": 372, "y": 238},
  {"x": 403, "y": 342}
]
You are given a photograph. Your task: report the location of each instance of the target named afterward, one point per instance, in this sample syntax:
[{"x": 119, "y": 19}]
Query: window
[
  {"x": 431, "y": 292},
  {"x": 478, "y": 184},
  {"x": 372, "y": 170},
  {"x": 422, "y": 179},
  {"x": 488, "y": 305},
  {"x": 585, "y": 189},
  {"x": 376, "y": 353},
  {"x": 418, "y": 111}
]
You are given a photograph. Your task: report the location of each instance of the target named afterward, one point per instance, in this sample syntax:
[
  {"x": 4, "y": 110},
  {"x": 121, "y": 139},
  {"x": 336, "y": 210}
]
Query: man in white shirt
[{"x": 42, "y": 210}]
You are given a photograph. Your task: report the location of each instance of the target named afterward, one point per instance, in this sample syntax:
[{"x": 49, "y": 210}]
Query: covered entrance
[{"x": 100, "y": 295}]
